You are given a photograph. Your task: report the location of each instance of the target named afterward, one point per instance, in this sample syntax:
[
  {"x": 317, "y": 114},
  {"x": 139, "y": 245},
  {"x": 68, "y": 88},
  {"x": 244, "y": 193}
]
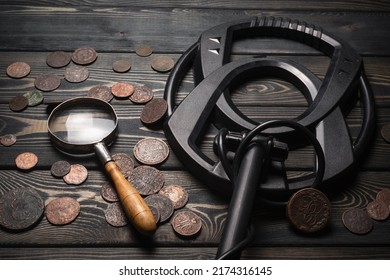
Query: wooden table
[{"x": 30, "y": 33}]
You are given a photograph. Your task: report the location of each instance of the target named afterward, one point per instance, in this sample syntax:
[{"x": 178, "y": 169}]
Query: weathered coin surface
[
  {"x": 154, "y": 111},
  {"x": 122, "y": 90},
  {"x": 34, "y": 98},
  {"x": 62, "y": 211},
  {"x": 125, "y": 163},
  {"x": 58, "y": 59},
  {"x": 162, "y": 203},
  {"x": 141, "y": 95},
  {"x": 101, "y": 92},
  {"x": 8, "y": 140},
  {"x": 18, "y": 70},
  {"x": 47, "y": 82},
  {"x": 357, "y": 221},
  {"x": 151, "y": 151},
  {"x": 143, "y": 50},
  {"x": 115, "y": 215},
  {"x": 84, "y": 56},
  {"x": 186, "y": 223},
  {"x": 162, "y": 63},
  {"x": 121, "y": 66},
  {"x": 77, "y": 175},
  {"x": 378, "y": 210},
  {"x": 76, "y": 74},
  {"x": 20, "y": 208},
  {"x": 146, "y": 179},
  {"x": 60, "y": 168},
  {"x": 385, "y": 132},
  {"x": 18, "y": 103},
  {"x": 155, "y": 213},
  {"x": 309, "y": 210},
  {"x": 109, "y": 193},
  {"x": 26, "y": 161},
  {"x": 177, "y": 194},
  {"x": 384, "y": 195}
]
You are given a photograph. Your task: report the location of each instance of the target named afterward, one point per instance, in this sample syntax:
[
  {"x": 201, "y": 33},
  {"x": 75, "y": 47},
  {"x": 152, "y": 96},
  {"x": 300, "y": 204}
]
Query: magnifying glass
[{"x": 83, "y": 126}]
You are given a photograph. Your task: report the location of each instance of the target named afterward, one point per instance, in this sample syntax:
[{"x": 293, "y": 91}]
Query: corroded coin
[
  {"x": 76, "y": 74},
  {"x": 121, "y": 66},
  {"x": 26, "y": 161},
  {"x": 155, "y": 213},
  {"x": 186, "y": 223},
  {"x": 20, "y": 208},
  {"x": 62, "y": 211},
  {"x": 115, "y": 215},
  {"x": 357, "y": 221},
  {"x": 162, "y": 203},
  {"x": 34, "y": 98},
  {"x": 109, "y": 193},
  {"x": 8, "y": 140},
  {"x": 378, "y": 210},
  {"x": 309, "y": 210},
  {"x": 141, "y": 95},
  {"x": 125, "y": 163},
  {"x": 162, "y": 63},
  {"x": 101, "y": 92},
  {"x": 385, "y": 132},
  {"x": 18, "y": 103},
  {"x": 77, "y": 175},
  {"x": 146, "y": 179},
  {"x": 84, "y": 56},
  {"x": 154, "y": 111},
  {"x": 384, "y": 195},
  {"x": 177, "y": 194},
  {"x": 122, "y": 90},
  {"x": 18, "y": 70},
  {"x": 58, "y": 59},
  {"x": 151, "y": 151},
  {"x": 143, "y": 50},
  {"x": 47, "y": 82},
  {"x": 60, "y": 168}
]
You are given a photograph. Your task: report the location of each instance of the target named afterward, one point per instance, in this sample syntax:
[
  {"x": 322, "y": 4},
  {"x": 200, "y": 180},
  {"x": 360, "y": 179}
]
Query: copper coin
[
  {"x": 115, "y": 215},
  {"x": 143, "y": 50},
  {"x": 309, "y": 210},
  {"x": 84, "y": 56},
  {"x": 34, "y": 98},
  {"x": 385, "y": 132},
  {"x": 378, "y": 210},
  {"x": 77, "y": 175},
  {"x": 357, "y": 221},
  {"x": 60, "y": 168},
  {"x": 141, "y": 95},
  {"x": 18, "y": 70},
  {"x": 384, "y": 195},
  {"x": 122, "y": 90},
  {"x": 163, "y": 205},
  {"x": 26, "y": 161},
  {"x": 18, "y": 103},
  {"x": 162, "y": 63},
  {"x": 151, "y": 151},
  {"x": 155, "y": 213},
  {"x": 101, "y": 92},
  {"x": 58, "y": 59},
  {"x": 177, "y": 194},
  {"x": 47, "y": 82},
  {"x": 146, "y": 179},
  {"x": 76, "y": 74},
  {"x": 125, "y": 163},
  {"x": 20, "y": 208},
  {"x": 62, "y": 211},
  {"x": 186, "y": 223},
  {"x": 8, "y": 140},
  {"x": 154, "y": 111},
  {"x": 109, "y": 193},
  {"x": 121, "y": 66}
]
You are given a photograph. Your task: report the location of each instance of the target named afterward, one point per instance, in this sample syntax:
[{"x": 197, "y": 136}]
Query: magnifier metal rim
[{"x": 86, "y": 149}]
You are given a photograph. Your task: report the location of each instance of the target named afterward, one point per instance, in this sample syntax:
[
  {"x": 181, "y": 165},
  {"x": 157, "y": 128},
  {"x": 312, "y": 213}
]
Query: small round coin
[
  {"x": 100, "y": 92},
  {"x": 62, "y": 211},
  {"x": 125, "y": 163},
  {"x": 58, "y": 59},
  {"x": 60, "y": 168},
  {"x": 155, "y": 213},
  {"x": 141, "y": 95},
  {"x": 34, "y": 98},
  {"x": 18, "y": 70},
  {"x": 122, "y": 90},
  {"x": 8, "y": 140},
  {"x": 385, "y": 132},
  {"x": 151, "y": 151},
  {"x": 162, "y": 203},
  {"x": 77, "y": 175},
  {"x": 378, "y": 210},
  {"x": 357, "y": 221},
  {"x": 154, "y": 111},
  {"x": 115, "y": 215},
  {"x": 384, "y": 195},
  {"x": 109, "y": 193},
  {"x": 162, "y": 63},
  {"x": 146, "y": 179},
  {"x": 26, "y": 161},
  {"x": 177, "y": 194},
  {"x": 18, "y": 103},
  {"x": 186, "y": 223},
  {"x": 47, "y": 82},
  {"x": 121, "y": 66},
  {"x": 143, "y": 50},
  {"x": 76, "y": 74},
  {"x": 84, "y": 56}
]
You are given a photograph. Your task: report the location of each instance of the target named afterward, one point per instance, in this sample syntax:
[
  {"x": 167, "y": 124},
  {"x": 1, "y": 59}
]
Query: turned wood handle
[{"x": 133, "y": 204}]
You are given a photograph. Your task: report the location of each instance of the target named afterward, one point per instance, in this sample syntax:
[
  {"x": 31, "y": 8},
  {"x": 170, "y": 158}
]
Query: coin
[
  {"x": 143, "y": 50},
  {"x": 309, "y": 210},
  {"x": 155, "y": 213},
  {"x": 177, "y": 194},
  {"x": 20, "y": 208},
  {"x": 122, "y": 90},
  {"x": 186, "y": 223},
  {"x": 115, "y": 215},
  {"x": 34, "y": 98},
  {"x": 163, "y": 205},
  {"x": 26, "y": 161},
  {"x": 141, "y": 95},
  {"x": 385, "y": 132},
  {"x": 384, "y": 195},
  {"x": 100, "y": 92},
  {"x": 47, "y": 82},
  {"x": 357, "y": 221},
  {"x": 62, "y": 211},
  {"x": 378, "y": 210},
  {"x": 84, "y": 56},
  {"x": 77, "y": 175},
  {"x": 18, "y": 70},
  {"x": 121, "y": 66},
  {"x": 151, "y": 151},
  {"x": 154, "y": 111},
  {"x": 60, "y": 168},
  {"x": 18, "y": 103},
  {"x": 109, "y": 193},
  {"x": 162, "y": 63},
  {"x": 146, "y": 179},
  {"x": 8, "y": 140},
  {"x": 125, "y": 163},
  {"x": 76, "y": 74},
  {"x": 58, "y": 59}
]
